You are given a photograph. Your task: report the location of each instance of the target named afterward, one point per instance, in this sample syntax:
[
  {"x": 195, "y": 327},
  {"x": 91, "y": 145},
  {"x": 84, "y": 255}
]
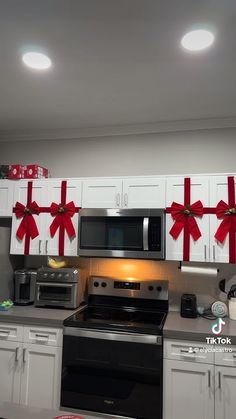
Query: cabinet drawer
[
  {"x": 187, "y": 351},
  {"x": 43, "y": 335},
  {"x": 226, "y": 358},
  {"x": 11, "y": 332}
]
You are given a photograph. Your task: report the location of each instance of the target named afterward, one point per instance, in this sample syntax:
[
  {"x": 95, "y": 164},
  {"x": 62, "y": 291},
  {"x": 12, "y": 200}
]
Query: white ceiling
[{"x": 115, "y": 62}]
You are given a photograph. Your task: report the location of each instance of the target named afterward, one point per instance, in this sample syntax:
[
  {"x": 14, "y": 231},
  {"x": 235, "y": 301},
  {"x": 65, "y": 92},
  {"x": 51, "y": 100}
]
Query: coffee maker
[{"x": 24, "y": 286}]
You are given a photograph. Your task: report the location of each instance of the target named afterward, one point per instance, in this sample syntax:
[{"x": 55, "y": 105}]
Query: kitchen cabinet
[
  {"x": 198, "y": 384},
  {"x": 102, "y": 193},
  {"x": 44, "y": 192},
  {"x": 218, "y": 192},
  {"x": 6, "y": 197},
  {"x": 30, "y": 365},
  {"x": 199, "y": 250},
  {"x": 188, "y": 390},
  {"x": 133, "y": 192}
]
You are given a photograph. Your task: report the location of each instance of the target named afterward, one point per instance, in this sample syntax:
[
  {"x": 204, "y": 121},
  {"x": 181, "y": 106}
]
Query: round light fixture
[
  {"x": 197, "y": 40},
  {"x": 36, "y": 60}
]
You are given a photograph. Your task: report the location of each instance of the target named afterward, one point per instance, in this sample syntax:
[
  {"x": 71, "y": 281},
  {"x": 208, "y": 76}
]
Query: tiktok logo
[{"x": 217, "y": 327}]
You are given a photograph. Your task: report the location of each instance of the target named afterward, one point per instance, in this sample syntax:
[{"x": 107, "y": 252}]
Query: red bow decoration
[
  {"x": 184, "y": 216},
  {"x": 63, "y": 215},
  {"x": 228, "y": 214},
  {"x": 28, "y": 225}
]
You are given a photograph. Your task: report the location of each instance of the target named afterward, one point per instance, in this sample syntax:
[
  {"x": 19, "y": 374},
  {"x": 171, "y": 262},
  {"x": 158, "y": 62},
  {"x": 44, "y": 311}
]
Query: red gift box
[
  {"x": 16, "y": 171},
  {"x": 33, "y": 171}
]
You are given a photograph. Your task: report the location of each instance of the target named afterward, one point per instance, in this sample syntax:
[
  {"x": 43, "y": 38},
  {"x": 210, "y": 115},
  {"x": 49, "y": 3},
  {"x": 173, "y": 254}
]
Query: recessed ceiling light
[
  {"x": 36, "y": 60},
  {"x": 197, "y": 40}
]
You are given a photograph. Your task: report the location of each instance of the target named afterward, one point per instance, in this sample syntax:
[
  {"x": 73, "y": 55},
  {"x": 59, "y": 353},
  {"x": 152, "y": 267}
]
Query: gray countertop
[
  {"x": 33, "y": 315},
  {"x": 14, "y": 411},
  {"x": 177, "y": 327}
]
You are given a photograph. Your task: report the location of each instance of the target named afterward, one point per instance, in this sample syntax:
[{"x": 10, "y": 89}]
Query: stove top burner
[{"x": 96, "y": 317}]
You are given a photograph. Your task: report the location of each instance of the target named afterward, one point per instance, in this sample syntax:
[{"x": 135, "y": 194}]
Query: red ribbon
[
  {"x": 184, "y": 216},
  {"x": 28, "y": 227},
  {"x": 227, "y": 212},
  {"x": 63, "y": 213}
]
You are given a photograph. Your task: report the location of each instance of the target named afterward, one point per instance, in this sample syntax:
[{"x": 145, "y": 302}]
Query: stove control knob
[
  {"x": 59, "y": 276},
  {"x": 96, "y": 284},
  {"x": 45, "y": 275},
  {"x": 159, "y": 288},
  {"x": 150, "y": 288},
  {"x": 52, "y": 276},
  {"x": 104, "y": 284}
]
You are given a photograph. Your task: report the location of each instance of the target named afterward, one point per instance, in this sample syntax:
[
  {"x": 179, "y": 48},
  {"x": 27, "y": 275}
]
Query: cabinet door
[
  {"x": 102, "y": 193},
  {"x": 40, "y": 380},
  {"x": 225, "y": 400},
  {"x": 39, "y": 194},
  {"x": 188, "y": 390},
  {"x": 6, "y": 198},
  {"x": 144, "y": 193},
  {"x": 218, "y": 192},
  {"x": 10, "y": 371},
  {"x": 73, "y": 193},
  {"x": 199, "y": 250}
]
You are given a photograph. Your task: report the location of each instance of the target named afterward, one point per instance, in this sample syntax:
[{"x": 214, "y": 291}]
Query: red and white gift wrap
[
  {"x": 63, "y": 213},
  {"x": 16, "y": 171},
  {"x": 227, "y": 213},
  {"x": 184, "y": 217},
  {"x": 33, "y": 171},
  {"x": 28, "y": 227}
]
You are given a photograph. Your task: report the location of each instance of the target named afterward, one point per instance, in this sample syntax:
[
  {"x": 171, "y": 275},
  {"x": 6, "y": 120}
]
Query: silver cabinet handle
[
  {"x": 46, "y": 247},
  {"x": 205, "y": 252},
  {"x": 40, "y": 242},
  {"x": 214, "y": 253},
  {"x": 126, "y": 200},
  {"x": 209, "y": 378},
  {"x": 145, "y": 233},
  {"x": 16, "y": 354},
  {"x": 24, "y": 355},
  {"x": 117, "y": 199},
  {"x": 184, "y": 351},
  {"x": 219, "y": 379},
  {"x": 4, "y": 333}
]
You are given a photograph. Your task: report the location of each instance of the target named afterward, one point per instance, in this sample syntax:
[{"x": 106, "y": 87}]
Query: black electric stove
[{"x": 112, "y": 350}]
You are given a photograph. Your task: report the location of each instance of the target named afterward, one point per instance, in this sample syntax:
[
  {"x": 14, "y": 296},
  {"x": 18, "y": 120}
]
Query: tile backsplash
[{"x": 205, "y": 287}]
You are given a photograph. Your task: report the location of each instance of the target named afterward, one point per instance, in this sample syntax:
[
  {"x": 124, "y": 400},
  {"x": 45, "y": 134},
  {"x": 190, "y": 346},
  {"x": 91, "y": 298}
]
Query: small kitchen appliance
[
  {"x": 113, "y": 349},
  {"x": 24, "y": 286},
  {"x": 60, "y": 287},
  {"x": 188, "y": 306},
  {"x": 122, "y": 233}
]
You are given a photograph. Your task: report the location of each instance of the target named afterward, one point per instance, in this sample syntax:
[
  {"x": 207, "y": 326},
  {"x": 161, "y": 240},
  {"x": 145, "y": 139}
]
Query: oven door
[
  {"x": 133, "y": 233},
  {"x": 51, "y": 294},
  {"x": 109, "y": 372}
]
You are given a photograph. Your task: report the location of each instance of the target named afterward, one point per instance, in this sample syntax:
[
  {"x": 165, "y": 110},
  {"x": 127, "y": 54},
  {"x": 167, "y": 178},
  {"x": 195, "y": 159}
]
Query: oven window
[
  {"x": 54, "y": 293},
  {"x": 111, "y": 233}
]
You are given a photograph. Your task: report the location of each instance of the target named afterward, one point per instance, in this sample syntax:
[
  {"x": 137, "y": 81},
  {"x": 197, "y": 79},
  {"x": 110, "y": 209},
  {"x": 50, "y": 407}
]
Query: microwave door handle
[{"x": 145, "y": 233}]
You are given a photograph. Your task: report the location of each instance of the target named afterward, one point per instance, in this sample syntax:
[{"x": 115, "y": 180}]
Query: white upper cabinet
[
  {"x": 39, "y": 195},
  {"x": 6, "y": 197},
  {"x": 199, "y": 190},
  {"x": 73, "y": 193},
  {"x": 44, "y": 193},
  {"x": 102, "y": 193},
  {"x": 131, "y": 192},
  {"x": 144, "y": 192},
  {"x": 218, "y": 192}
]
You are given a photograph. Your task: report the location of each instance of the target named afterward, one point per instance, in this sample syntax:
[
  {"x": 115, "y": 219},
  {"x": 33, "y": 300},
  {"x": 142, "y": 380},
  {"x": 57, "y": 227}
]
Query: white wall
[{"x": 200, "y": 151}]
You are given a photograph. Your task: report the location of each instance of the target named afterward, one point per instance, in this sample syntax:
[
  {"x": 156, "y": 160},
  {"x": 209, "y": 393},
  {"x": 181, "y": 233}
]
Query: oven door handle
[
  {"x": 115, "y": 336},
  {"x": 57, "y": 284}
]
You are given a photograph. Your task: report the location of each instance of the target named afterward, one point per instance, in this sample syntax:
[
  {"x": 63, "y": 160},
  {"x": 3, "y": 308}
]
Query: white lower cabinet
[
  {"x": 198, "y": 384},
  {"x": 30, "y": 372},
  {"x": 40, "y": 376},
  {"x": 225, "y": 401},
  {"x": 188, "y": 390},
  {"x": 10, "y": 372}
]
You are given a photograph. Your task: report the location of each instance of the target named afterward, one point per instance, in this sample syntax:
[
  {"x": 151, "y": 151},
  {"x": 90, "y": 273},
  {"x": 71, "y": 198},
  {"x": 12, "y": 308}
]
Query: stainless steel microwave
[{"x": 122, "y": 233}]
